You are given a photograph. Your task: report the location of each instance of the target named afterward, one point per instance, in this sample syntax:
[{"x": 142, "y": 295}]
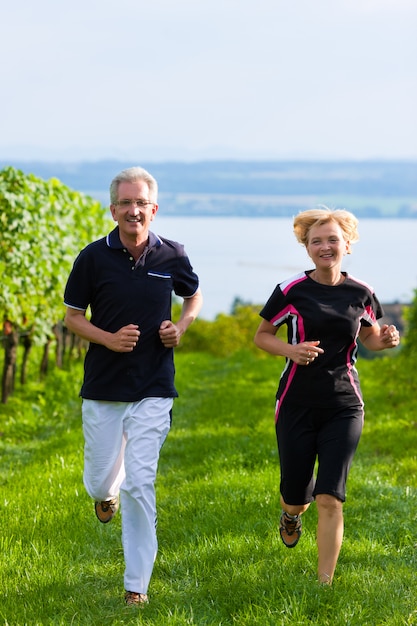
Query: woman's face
[{"x": 326, "y": 246}]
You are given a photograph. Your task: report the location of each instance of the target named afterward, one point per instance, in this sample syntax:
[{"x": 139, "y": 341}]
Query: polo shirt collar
[{"x": 113, "y": 240}]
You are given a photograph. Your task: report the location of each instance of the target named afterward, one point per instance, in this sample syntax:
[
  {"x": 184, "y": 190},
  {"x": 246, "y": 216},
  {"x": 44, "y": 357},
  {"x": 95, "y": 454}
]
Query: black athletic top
[
  {"x": 120, "y": 292},
  {"x": 332, "y": 315}
]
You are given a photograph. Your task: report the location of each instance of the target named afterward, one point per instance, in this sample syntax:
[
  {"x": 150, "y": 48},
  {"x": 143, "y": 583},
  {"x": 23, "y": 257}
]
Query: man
[{"x": 127, "y": 279}]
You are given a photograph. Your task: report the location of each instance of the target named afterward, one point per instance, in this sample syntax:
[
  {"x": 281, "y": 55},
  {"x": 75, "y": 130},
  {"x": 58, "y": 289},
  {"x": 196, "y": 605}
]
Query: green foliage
[
  {"x": 44, "y": 224},
  {"x": 226, "y": 334},
  {"x": 410, "y": 313}
]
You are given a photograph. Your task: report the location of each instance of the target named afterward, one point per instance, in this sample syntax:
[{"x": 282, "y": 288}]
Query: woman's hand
[
  {"x": 390, "y": 336},
  {"x": 306, "y": 352},
  {"x": 378, "y": 337}
]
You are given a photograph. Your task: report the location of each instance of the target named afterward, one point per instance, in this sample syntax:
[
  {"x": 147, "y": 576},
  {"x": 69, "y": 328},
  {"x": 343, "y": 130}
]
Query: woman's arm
[
  {"x": 378, "y": 337},
  {"x": 301, "y": 353}
]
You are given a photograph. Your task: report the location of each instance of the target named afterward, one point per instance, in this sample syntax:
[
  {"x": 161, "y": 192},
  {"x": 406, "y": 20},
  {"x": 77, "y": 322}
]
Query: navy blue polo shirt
[{"x": 105, "y": 277}]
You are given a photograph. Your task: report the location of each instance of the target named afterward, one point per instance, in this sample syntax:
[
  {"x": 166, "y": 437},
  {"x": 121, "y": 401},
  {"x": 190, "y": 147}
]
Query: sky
[{"x": 197, "y": 79}]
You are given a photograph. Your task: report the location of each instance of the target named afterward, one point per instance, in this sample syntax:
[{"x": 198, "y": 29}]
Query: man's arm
[
  {"x": 124, "y": 340},
  {"x": 171, "y": 333}
]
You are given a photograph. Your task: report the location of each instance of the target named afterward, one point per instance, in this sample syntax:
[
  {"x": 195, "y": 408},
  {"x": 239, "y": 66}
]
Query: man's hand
[
  {"x": 125, "y": 339},
  {"x": 169, "y": 334}
]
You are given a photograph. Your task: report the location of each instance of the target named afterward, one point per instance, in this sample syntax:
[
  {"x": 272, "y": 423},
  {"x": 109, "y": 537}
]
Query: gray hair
[{"x": 131, "y": 175}]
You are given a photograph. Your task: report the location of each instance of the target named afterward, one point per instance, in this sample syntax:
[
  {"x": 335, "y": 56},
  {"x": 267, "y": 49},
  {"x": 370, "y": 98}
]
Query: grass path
[{"x": 220, "y": 560}]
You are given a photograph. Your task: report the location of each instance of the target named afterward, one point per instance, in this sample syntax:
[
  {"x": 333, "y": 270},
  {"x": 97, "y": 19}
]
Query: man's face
[{"x": 134, "y": 210}]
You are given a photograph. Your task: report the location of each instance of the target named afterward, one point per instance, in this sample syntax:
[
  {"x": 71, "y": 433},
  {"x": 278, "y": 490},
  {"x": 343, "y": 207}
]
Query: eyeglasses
[{"x": 142, "y": 204}]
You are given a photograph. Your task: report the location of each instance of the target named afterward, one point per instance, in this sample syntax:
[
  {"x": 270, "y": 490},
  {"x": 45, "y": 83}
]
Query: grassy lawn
[{"x": 220, "y": 559}]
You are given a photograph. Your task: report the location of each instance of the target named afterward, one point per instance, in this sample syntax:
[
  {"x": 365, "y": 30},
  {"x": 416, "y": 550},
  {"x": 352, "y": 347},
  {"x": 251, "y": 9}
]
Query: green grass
[{"x": 220, "y": 559}]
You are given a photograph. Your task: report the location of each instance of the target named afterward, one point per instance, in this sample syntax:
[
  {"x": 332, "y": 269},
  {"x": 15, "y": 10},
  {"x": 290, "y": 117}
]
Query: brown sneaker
[
  {"x": 290, "y": 529},
  {"x": 106, "y": 509},
  {"x": 136, "y": 599}
]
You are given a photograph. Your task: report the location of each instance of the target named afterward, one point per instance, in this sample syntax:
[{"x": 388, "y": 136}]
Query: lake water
[{"x": 247, "y": 257}]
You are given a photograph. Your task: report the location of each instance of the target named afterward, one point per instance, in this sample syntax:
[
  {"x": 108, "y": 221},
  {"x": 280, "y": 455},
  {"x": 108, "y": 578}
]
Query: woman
[{"x": 319, "y": 409}]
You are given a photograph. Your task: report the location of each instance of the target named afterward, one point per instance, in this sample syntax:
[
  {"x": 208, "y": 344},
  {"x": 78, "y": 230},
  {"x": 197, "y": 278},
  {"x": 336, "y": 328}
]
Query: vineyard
[{"x": 44, "y": 225}]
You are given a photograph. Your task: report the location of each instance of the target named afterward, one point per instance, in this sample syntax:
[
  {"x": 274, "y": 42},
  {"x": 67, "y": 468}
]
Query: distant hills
[{"x": 254, "y": 188}]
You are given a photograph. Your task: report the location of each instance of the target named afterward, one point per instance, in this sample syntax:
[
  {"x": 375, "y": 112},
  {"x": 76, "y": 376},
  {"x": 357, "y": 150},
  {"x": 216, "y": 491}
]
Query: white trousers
[{"x": 121, "y": 453}]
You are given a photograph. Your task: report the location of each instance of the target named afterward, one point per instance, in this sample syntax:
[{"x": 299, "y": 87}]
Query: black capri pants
[{"x": 328, "y": 435}]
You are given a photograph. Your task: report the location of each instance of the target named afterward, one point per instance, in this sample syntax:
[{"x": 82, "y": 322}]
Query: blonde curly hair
[{"x": 305, "y": 220}]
